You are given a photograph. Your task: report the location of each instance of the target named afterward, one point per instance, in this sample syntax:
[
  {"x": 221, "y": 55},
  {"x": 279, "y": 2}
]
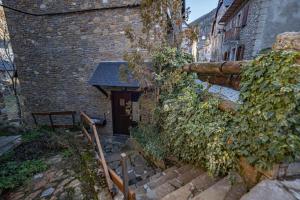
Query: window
[
  {"x": 240, "y": 52},
  {"x": 245, "y": 15}
]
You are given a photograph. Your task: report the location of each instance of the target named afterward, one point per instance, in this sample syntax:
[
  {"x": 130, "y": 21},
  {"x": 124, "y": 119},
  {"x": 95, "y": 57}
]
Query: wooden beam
[
  {"x": 86, "y": 118},
  {"x": 231, "y": 81},
  {"x": 87, "y": 134},
  {"x": 215, "y": 68},
  {"x": 102, "y": 90},
  {"x": 119, "y": 183},
  {"x": 117, "y": 180}
]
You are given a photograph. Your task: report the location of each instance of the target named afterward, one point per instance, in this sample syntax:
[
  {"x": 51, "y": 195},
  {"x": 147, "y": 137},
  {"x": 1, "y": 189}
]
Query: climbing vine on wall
[{"x": 267, "y": 127}]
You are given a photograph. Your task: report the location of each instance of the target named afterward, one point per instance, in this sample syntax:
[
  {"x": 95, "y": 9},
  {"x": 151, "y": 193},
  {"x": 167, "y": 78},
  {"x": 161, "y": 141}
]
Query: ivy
[
  {"x": 189, "y": 125},
  {"x": 268, "y": 122}
]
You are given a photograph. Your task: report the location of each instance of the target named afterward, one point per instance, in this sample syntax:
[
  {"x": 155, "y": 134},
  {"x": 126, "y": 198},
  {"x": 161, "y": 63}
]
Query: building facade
[
  {"x": 58, "y": 46},
  {"x": 204, "y": 26},
  {"x": 244, "y": 28}
]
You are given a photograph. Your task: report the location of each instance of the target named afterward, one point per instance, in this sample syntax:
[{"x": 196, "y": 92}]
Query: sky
[{"x": 200, "y": 7}]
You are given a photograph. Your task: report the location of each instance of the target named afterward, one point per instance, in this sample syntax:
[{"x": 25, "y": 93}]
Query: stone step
[
  {"x": 194, "y": 187},
  {"x": 159, "y": 174},
  {"x": 166, "y": 176},
  {"x": 177, "y": 182},
  {"x": 275, "y": 190},
  {"x": 143, "y": 190},
  {"x": 224, "y": 190}
]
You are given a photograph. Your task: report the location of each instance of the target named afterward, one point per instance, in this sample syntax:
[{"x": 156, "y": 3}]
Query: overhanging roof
[
  {"x": 231, "y": 10},
  {"x": 109, "y": 74}
]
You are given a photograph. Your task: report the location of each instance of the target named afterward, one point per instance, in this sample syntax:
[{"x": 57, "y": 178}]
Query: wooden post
[
  {"x": 34, "y": 118},
  {"x": 51, "y": 121},
  {"x": 125, "y": 175},
  {"x": 73, "y": 119}
]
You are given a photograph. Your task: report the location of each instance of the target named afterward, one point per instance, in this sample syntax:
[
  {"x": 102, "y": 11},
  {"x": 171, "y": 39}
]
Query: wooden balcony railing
[{"x": 232, "y": 34}]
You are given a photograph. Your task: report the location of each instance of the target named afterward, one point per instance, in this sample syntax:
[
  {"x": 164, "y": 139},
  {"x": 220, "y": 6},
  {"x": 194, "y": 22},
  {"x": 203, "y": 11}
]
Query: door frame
[{"x": 113, "y": 109}]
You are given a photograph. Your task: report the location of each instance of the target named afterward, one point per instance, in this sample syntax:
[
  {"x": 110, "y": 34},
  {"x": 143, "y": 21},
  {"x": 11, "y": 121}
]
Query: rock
[
  {"x": 60, "y": 187},
  {"x": 74, "y": 183},
  {"x": 40, "y": 184},
  {"x": 47, "y": 192},
  {"x": 139, "y": 170},
  {"x": 268, "y": 190},
  {"x": 38, "y": 176},
  {"x": 293, "y": 186},
  {"x": 50, "y": 176},
  {"x": 54, "y": 160},
  {"x": 293, "y": 169},
  {"x": 53, "y": 198},
  {"x": 33, "y": 195},
  {"x": 16, "y": 196},
  {"x": 78, "y": 194},
  {"x": 139, "y": 161},
  {"x": 288, "y": 41}
]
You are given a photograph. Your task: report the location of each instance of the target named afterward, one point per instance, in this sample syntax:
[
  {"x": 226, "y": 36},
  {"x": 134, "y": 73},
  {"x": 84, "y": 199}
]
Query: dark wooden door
[{"x": 121, "y": 108}]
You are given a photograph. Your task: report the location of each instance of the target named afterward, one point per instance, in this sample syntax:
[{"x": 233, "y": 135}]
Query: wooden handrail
[
  {"x": 86, "y": 118},
  {"x": 111, "y": 176},
  {"x": 104, "y": 164}
]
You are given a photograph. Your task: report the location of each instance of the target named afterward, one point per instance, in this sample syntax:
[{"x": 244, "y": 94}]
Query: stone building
[
  {"x": 59, "y": 46},
  {"x": 243, "y": 28},
  {"x": 204, "y": 26}
]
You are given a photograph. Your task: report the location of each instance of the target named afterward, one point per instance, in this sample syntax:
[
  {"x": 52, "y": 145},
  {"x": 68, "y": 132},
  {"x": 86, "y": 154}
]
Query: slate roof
[{"x": 107, "y": 74}]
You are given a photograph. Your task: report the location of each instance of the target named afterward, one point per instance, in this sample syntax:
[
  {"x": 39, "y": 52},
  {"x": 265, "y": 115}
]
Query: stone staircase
[{"x": 187, "y": 182}]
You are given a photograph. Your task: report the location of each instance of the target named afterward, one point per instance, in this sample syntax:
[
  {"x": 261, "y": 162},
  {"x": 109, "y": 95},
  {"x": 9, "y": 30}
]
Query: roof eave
[{"x": 231, "y": 10}]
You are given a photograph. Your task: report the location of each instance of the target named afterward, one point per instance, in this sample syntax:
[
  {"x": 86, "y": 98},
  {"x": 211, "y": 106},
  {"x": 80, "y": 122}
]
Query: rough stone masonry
[{"x": 57, "y": 46}]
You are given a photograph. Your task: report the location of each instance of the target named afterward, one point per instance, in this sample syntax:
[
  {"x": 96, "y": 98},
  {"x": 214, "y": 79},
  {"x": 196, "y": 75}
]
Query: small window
[{"x": 245, "y": 15}]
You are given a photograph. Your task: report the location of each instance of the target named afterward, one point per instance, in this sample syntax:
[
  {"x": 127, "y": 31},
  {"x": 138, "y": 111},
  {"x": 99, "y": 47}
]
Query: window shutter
[{"x": 245, "y": 15}]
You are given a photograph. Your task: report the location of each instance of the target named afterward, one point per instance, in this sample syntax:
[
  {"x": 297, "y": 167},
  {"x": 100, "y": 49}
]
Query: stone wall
[
  {"x": 277, "y": 16},
  {"x": 204, "y": 25},
  {"x": 217, "y": 35},
  {"x": 266, "y": 19},
  {"x": 248, "y": 33},
  {"x": 57, "y": 54}
]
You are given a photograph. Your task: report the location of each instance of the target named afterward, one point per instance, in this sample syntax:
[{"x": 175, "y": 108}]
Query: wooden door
[{"x": 121, "y": 108}]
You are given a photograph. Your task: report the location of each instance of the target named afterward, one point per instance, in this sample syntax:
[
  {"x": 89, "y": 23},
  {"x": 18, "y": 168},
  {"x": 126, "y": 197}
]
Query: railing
[
  {"x": 110, "y": 175},
  {"x": 232, "y": 34},
  {"x": 50, "y": 114}
]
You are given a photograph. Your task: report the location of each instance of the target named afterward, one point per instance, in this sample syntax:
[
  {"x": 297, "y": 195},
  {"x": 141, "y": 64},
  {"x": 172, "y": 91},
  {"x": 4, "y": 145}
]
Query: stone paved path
[
  {"x": 66, "y": 179},
  {"x": 138, "y": 167}
]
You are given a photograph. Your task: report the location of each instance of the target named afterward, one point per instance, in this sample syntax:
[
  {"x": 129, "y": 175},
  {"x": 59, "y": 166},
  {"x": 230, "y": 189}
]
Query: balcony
[{"x": 232, "y": 34}]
